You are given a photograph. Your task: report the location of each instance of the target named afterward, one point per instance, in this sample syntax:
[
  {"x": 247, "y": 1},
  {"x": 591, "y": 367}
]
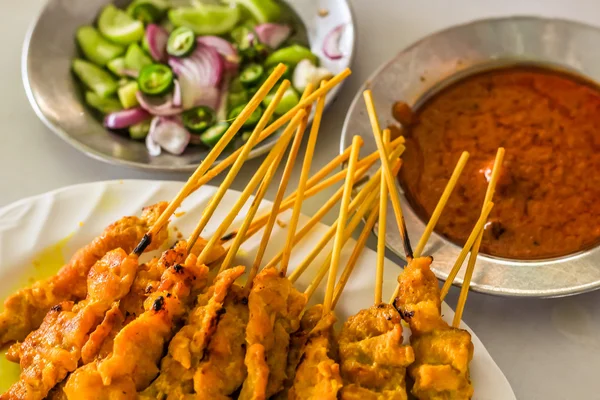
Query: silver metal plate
[
  {"x": 413, "y": 73},
  {"x": 57, "y": 100}
]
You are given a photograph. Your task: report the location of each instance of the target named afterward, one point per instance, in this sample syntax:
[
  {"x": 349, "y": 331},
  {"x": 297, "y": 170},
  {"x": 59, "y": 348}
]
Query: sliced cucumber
[
  {"x": 291, "y": 56},
  {"x": 212, "y": 135},
  {"x": 262, "y": 10},
  {"x": 289, "y": 100},
  {"x": 95, "y": 48},
  {"x": 206, "y": 19},
  {"x": 127, "y": 95},
  {"x": 117, "y": 26},
  {"x": 237, "y": 99},
  {"x": 95, "y": 78},
  {"x": 104, "y": 105},
  {"x": 136, "y": 58},
  {"x": 140, "y": 131},
  {"x": 117, "y": 66}
]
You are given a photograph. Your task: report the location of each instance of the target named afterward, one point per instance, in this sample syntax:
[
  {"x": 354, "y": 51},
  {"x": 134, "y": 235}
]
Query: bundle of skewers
[{"x": 191, "y": 324}]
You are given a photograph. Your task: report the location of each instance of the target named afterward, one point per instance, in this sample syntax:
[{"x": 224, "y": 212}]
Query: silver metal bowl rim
[
  {"x": 486, "y": 289},
  {"x": 256, "y": 152}
]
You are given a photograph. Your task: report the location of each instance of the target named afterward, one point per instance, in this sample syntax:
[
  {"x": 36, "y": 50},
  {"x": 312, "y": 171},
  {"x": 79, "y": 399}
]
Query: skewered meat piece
[
  {"x": 298, "y": 340},
  {"x": 222, "y": 371},
  {"x": 135, "y": 351},
  {"x": 25, "y": 310},
  {"x": 49, "y": 353},
  {"x": 442, "y": 353},
  {"x": 275, "y": 309},
  {"x": 318, "y": 375},
  {"x": 189, "y": 345},
  {"x": 373, "y": 358}
]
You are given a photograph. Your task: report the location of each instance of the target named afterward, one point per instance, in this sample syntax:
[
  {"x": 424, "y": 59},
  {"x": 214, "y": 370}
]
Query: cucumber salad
[{"x": 176, "y": 76}]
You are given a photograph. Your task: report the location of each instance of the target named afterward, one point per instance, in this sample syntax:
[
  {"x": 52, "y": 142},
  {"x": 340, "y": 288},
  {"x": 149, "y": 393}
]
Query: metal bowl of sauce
[{"x": 523, "y": 83}]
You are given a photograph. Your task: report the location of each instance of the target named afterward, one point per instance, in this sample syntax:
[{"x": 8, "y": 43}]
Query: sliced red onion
[
  {"x": 224, "y": 48},
  {"x": 162, "y": 106},
  {"x": 125, "y": 118},
  {"x": 157, "y": 41},
  {"x": 273, "y": 35},
  {"x": 331, "y": 44},
  {"x": 132, "y": 73},
  {"x": 176, "y": 94},
  {"x": 169, "y": 134},
  {"x": 153, "y": 148},
  {"x": 199, "y": 75}
]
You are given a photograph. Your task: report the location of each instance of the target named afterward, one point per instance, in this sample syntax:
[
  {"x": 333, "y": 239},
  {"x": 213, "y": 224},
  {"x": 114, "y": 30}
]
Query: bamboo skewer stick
[
  {"x": 276, "y": 125},
  {"x": 315, "y": 184},
  {"x": 437, "y": 212},
  {"x": 383, "y": 198},
  {"x": 358, "y": 248},
  {"x": 310, "y": 149},
  {"x": 358, "y": 204},
  {"x": 343, "y": 216},
  {"x": 260, "y": 194},
  {"x": 391, "y": 184},
  {"x": 211, "y": 157},
  {"x": 489, "y": 194},
  {"x": 287, "y": 172},
  {"x": 465, "y": 250},
  {"x": 369, "y": 186},
  {"x": 279, "y": 147},
  {"x": 217, "y": 197},
  {"x": 368, "y": 204}
]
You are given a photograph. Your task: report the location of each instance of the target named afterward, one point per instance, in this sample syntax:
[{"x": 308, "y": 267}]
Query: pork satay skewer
[
  {"x": 442, "y": 353},
  {"x": 489, "y": 194},
  {"x": 317, "y": 375},
  {"x": 387, "y": 173},
  {"x": 185, "y": 362},
  {"x": 275, "y": 305},
  {"x": 437, "y": 212},
  {"x": 370, "y": 342}
]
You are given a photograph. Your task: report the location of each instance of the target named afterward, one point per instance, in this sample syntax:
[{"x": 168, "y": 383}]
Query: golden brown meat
[
  {"x": 275, "y": 309},
  {"x": 53, "y": 350},
  {"x": 372, "y": 357},
  {"x": 222, "y": 371},
  {"x": 189, "y": 345},
  {"x": 136, "y": 349},
  {"x": 298, "y": 340},
  {"x": 442, "y": 353},
  {"x": 318, "y": 375},
  {"x": 25, "y": 310}
]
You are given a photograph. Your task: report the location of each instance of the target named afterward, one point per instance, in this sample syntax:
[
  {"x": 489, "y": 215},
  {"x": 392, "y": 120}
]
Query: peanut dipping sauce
[{"x": 547, "y": 202}]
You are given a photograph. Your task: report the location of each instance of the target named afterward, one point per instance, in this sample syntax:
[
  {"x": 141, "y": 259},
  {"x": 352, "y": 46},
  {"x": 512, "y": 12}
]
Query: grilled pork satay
[
  {"x": 25, "y": 310},
  {"x": 442, "y": 353},
  {"x": 318, "y": 374},
  {"x": 49, "y": 353},
  {"x": 373, "y": 358},
  {"x": 188, "y": 346},
  {"x": 275, "y": 311}
]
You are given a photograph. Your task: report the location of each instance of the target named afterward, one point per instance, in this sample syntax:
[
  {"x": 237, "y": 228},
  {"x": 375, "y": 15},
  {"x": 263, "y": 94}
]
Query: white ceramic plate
[{"x": 80, "y": 212}]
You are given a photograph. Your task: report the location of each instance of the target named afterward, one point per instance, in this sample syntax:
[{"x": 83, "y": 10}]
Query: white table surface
[{"x": 548, "y": 349}]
